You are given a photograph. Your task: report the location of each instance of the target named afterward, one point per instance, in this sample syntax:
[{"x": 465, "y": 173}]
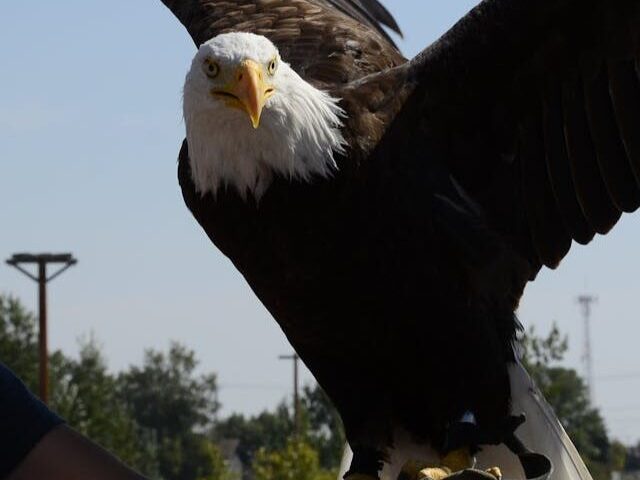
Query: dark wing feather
[
  {"x": 535, "y": 107},
  {"x": 371, "y": 12},
  {"x": 326, "y": 41}
]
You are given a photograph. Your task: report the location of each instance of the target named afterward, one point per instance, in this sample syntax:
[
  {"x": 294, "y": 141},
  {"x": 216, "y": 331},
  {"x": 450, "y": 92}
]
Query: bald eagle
[{"x": 390, "y": 212}]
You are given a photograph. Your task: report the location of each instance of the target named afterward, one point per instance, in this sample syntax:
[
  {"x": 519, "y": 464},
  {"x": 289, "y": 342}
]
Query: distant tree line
[
  {"x": 160, "y": 417},
  {"x": 268, "y": 441}
]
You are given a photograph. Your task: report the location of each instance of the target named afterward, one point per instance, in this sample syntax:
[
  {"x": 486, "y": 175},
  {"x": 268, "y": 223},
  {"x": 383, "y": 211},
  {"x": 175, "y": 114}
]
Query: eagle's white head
[{"x": 249, "y": 117}]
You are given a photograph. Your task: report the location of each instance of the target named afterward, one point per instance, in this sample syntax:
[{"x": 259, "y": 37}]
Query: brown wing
[
  {"x": 535, "y": 107},
  {"x": 327, "y": 41}
]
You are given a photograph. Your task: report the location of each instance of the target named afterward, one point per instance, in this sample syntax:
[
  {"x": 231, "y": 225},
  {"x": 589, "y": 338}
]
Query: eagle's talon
[
  {"x": 495, "y": 472},
  {"x": 435, "y": 473}
]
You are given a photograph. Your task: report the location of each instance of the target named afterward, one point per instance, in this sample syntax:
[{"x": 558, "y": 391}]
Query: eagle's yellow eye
[
  {"x": 211, "y": 68},
  {"x": 273, "y": 66}
]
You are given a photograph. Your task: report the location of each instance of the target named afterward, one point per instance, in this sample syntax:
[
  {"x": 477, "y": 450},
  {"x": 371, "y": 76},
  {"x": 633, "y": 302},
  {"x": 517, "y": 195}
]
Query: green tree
[
  {"x": 167, "y": 397},
  {"x": 200, "y": 459},
  {"x": 19, "y": 340},
  {"x": 325, "y": 429},
  {"x": 632, "y": 461},
  {"x": 296, "y": 461},
  {"x": 165, "y": 393},
  {"x": 269, "y": 431},
  {"x": 618, "y": 456}
]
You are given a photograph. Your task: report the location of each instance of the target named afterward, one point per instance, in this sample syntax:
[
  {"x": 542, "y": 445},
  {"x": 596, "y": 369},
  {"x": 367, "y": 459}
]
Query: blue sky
[{"x": 90, "y": 125}]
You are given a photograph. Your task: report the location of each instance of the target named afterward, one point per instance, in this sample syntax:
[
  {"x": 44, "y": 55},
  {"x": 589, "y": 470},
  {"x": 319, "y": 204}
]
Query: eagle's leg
[
  {"x": 454, "y": 461},
  {"x": 366, "y": 464}
]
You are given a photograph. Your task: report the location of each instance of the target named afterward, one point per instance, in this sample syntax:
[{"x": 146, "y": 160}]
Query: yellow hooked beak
[{"x": 248, "y": 91}]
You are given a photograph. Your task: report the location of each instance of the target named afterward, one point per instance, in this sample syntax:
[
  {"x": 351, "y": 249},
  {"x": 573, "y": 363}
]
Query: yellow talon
[
  {"x": 452, "y": 462},
  {"x": 495, "y": 472},
  {"x": 411, "y": 469},
  {"x": 437, "y": 473}
]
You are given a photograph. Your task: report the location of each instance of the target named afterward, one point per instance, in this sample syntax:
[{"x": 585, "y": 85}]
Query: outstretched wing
[
  {"x": 327, "y": 41},
  {"x": 535, "y": 107}
]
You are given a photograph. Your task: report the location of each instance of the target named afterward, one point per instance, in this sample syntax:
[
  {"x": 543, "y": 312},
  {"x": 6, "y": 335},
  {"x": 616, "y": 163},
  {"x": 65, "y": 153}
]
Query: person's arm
[
  {"x": 36, "y": 445},
  {"x": 64, "y": 454}
]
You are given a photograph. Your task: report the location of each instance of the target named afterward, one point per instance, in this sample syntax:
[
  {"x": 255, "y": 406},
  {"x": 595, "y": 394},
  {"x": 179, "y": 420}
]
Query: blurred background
[{"x": 154, "y": 321}]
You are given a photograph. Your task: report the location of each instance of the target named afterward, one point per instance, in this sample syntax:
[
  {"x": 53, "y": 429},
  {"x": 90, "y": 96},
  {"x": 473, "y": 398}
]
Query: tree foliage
[
  {"x": 271, "y": 431},
  {"x": 166, "y": 397},
  {"x": 19, "y": 340},
  {"x": 298, "y": 460}
]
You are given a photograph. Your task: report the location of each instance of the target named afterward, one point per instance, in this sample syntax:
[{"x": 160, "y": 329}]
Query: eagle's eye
[
  {"x": 211, "y": 68},
  {"x": 273, "y": 66}
]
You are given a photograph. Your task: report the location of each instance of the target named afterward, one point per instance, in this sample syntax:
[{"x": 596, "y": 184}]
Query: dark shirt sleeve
[{"x": 24, "y": 420}]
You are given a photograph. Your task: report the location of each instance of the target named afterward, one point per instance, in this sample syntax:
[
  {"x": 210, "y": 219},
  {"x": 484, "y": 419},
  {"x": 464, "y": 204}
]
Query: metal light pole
[
  {"x": 586, "y": 301},
  {"x": 42, "y": 260},
  {"x": 296, "y": 396}
]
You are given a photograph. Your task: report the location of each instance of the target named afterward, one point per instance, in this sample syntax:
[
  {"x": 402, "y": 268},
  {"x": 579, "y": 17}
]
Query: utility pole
[
  {"x": 586, "y": 302},
  {"x": 42, "y": 260},
  {"x": 296, "y": 396}
]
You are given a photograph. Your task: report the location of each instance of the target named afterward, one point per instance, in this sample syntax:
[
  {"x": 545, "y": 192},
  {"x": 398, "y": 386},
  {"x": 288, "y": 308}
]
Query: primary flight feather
[{"x": 389, "y": 213}]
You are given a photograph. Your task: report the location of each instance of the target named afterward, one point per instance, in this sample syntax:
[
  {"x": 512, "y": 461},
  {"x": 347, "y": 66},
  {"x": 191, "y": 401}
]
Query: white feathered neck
[{"x": 298, "y": 135}]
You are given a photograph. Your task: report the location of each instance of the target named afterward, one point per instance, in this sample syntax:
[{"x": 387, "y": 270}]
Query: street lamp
[{"x": 42, "y": 260}]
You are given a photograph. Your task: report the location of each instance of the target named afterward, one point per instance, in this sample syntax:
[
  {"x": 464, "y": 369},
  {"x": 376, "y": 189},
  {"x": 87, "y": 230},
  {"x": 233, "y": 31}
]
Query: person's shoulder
[{"x": 24, "y": 420}]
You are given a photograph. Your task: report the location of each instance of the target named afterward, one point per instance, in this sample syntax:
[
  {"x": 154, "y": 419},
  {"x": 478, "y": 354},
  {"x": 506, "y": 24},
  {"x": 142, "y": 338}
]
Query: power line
[
  {"x": 624, "y": 419},
  {"x": 252, "y": 386},
  {"x": 618, "y": 376},
  {"x": 622, "y": 409}
]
